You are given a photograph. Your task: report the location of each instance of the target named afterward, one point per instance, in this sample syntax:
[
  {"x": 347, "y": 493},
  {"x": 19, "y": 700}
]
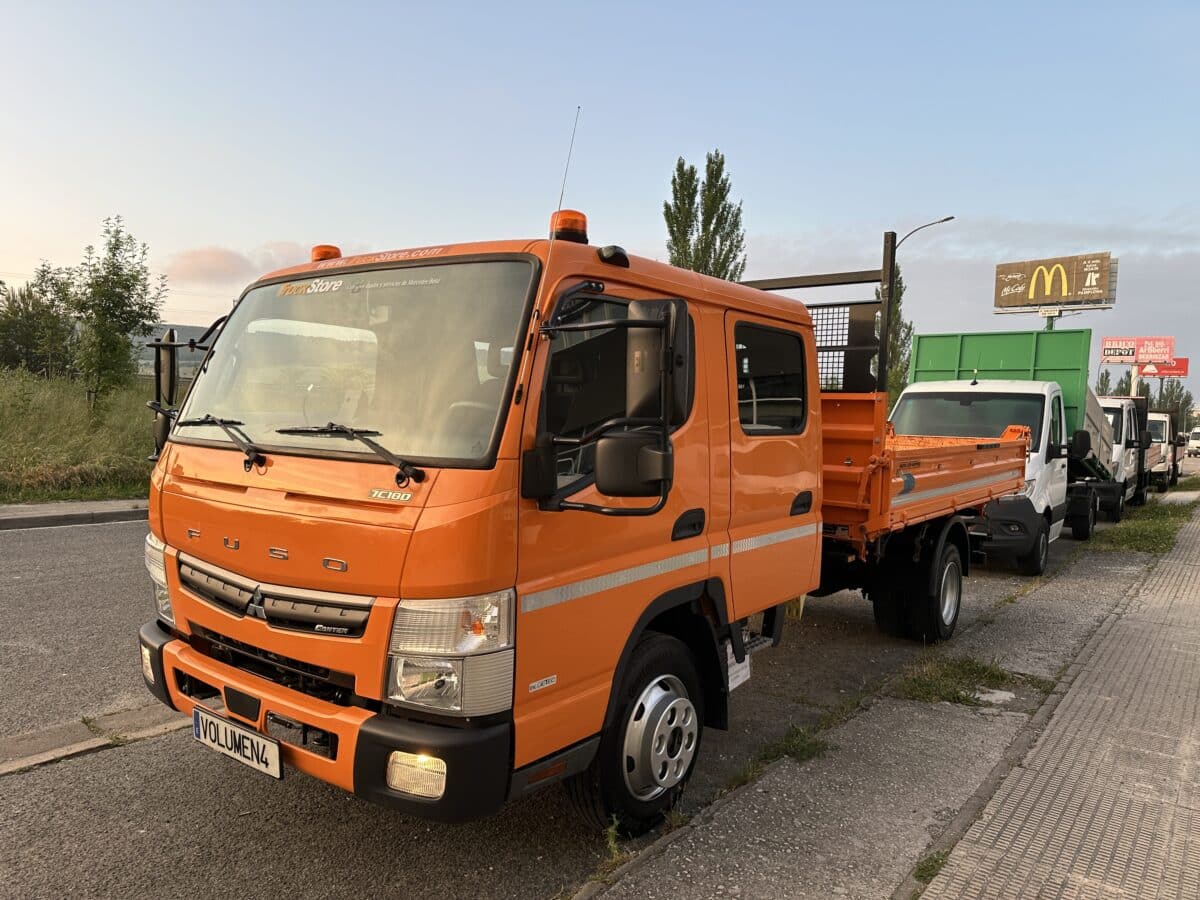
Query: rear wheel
[
  {"x": 934, "y": 611},
  {"x": 1034, "y": 562},
  {"x": 1083, "y": 526},
  {"x": 647, "y": 755},
  {"x": 1118, "y": 508}
]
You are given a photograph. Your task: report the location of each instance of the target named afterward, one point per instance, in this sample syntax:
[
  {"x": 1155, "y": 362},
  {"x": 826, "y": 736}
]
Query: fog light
[
  {"x": 147, "y": 664},
  {"x": 416, "y": 774}
]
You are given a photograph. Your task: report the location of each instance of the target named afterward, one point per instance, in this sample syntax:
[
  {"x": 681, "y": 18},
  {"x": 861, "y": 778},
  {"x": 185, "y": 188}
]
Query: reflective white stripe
[
  {"x": 930, "y": 493},
  {"x": 720, "y": 550},
  {"x": 775, "y": 537},
  {"x": 576, "y": 589}
]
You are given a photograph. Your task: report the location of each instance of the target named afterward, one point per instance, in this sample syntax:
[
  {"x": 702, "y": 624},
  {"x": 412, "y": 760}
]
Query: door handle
[
  {"x": 688, "y": 525},
  {"x": 802, "y": 504}
]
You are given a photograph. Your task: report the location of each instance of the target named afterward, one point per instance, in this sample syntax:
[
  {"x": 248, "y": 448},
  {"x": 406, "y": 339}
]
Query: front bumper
[
  {"x": 1009, "y": 527},
  {"x": 478, "y": 758}
]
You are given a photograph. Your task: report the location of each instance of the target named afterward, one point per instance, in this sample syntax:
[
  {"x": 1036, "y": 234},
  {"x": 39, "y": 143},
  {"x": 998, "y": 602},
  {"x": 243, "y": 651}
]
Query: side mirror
[
  {"x": 633, "y": 464},
  {"x": 1181, "y": 440},
  {"x": 162, "y": 428},
  {"x": 1145, "y": 439},
  {"x": 166, "y": 369},
  {"x": 539, "y": 478},
  {"x": 1081, "y": 444},
  {"x": 645, "y": 351}
]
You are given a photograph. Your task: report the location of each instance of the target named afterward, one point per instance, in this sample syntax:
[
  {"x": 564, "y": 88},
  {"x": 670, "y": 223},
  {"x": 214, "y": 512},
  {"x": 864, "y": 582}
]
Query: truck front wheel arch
[{"x": 693, "y": 614}]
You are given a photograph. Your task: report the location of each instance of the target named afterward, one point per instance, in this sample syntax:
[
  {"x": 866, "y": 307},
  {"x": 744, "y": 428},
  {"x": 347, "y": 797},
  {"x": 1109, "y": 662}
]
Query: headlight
[
  {"x": 453, "y": 656},
  {"x": 156, "y": 565}
]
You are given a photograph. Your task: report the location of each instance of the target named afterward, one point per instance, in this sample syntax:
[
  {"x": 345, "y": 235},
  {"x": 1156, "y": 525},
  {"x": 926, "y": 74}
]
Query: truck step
[{"x": 756, "y": 642}]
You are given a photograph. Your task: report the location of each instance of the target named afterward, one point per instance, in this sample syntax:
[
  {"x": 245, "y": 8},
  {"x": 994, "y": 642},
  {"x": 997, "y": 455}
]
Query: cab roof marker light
[
  {"x": 569, "y": 225},
  {"x": 325, "y": 251}
]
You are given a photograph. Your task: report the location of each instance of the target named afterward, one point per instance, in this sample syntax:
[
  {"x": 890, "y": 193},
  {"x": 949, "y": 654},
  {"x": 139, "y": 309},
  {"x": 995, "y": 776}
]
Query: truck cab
[
  {"x": 985, "y": 409},
  {"x": 1169, "y": 447},
  {"x": 1134, "y": 455}
]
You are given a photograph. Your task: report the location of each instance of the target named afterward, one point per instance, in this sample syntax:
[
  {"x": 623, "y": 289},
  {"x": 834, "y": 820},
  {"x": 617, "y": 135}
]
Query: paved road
[{"x": 164, "y": 816}]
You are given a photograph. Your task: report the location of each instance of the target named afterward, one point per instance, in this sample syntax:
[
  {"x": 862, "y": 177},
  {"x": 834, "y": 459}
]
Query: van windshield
[
  {"x": 1195, "y": 435},
  {"x": 968, "y": 414},
  {"x": 1115, "y": 418},
  {"x": 422, "y": 355}
]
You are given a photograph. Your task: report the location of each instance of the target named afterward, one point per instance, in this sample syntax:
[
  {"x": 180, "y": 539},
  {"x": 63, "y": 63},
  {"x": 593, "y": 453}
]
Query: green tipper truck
[{"x": 978, "y": 384}]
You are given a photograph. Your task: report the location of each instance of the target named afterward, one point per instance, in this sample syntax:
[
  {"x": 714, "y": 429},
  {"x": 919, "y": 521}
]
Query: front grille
[
  {"x": 316, "y": 681},
  {"x": 296, "y": 609}
]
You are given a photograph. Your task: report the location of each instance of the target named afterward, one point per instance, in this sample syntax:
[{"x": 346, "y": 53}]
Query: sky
[{"x": 233, "y": 136}]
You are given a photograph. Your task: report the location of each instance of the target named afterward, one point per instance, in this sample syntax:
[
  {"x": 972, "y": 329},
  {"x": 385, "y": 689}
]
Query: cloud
[{"x": 220, "y": 267}]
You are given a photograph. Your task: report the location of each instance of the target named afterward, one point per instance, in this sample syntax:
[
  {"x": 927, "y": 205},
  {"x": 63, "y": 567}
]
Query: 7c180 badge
[{"x": 396, "y": 496}]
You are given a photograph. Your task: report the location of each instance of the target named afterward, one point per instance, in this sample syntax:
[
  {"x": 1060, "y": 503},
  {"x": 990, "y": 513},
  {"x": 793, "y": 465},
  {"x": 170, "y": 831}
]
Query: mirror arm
[
  {"x": 162, "y": 410},
  {"x": 624, "y": 324},
  {"x": 590, "y": 436},
  {"x": 191, "y": 343},
  {"x": 614, "y": 510}
]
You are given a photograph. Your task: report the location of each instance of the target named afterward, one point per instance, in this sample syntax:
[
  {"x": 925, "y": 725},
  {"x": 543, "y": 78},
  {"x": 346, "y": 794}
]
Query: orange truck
[{"x": 444, "y": 526}]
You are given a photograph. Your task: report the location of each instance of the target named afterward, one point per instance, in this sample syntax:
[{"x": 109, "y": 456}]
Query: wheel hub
[
  {"x": 660, "y": 738},
  {"x": 951, "y": 593}
]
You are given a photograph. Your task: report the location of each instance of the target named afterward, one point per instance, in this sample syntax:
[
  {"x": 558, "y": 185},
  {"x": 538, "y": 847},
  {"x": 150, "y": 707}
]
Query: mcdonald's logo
[{"x": 1047, "y": 276}]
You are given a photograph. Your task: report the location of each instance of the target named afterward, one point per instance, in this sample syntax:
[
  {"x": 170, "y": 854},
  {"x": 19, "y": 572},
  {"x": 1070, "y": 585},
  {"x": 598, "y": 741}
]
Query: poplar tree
[{"x": 704, "y": 225}]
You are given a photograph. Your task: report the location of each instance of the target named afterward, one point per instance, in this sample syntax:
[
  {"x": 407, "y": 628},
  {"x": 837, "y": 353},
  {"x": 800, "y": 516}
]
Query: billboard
[
  {"x": 1079, "y": 282},
  {"x": 1176, "y": 368},
  {"x": 1130, "y": 351}
]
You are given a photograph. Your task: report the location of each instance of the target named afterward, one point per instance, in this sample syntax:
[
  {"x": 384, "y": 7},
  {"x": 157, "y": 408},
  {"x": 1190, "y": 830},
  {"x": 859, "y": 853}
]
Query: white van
[
  {"x": 1193, "y": 446},
  {"x": 1165, "y": 472}
]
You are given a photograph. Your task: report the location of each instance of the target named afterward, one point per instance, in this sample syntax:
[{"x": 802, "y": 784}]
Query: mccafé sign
[{"x": 1087, "y": 280}]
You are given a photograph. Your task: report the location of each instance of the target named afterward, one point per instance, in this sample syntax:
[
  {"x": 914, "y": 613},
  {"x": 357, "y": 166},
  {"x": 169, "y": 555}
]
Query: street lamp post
[{"x": 887, "y": 284}]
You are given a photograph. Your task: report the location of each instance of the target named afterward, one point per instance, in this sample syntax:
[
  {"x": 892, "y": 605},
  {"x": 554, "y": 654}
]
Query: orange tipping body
[{"x": 878, "y": 482}]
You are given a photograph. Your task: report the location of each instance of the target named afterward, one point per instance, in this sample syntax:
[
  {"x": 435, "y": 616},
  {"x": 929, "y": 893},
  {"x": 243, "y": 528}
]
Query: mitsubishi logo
[{"x": 255, "y": 608}]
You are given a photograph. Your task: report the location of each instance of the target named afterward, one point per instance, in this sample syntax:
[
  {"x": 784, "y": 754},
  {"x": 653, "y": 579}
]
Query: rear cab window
[{"x": 772, "y": 396}]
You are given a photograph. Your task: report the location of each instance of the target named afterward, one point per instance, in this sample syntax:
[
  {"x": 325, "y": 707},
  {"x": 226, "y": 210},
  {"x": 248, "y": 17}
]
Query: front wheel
[
  {"x": 647, "y": 755},
  {"x": 1034, "y": 562},
  {"x": 1118, "y": 508},
  {"x": 1083, "y": 526}
]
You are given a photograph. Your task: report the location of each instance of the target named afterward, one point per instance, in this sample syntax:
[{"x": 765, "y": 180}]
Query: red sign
[
  {"x": 1137, "y": 350},
  {"x": 1176, "y": 368}
]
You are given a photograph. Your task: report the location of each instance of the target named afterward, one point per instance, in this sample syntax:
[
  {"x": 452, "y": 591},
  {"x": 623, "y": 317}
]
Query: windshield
[
  {"x": 421, "y": 355},
  {"x": 1158, "y": 430},
  {"x": 1115, "y": 418},
  {"x": 968, "y": 414},
  {"x": 1196, "y": 435}
]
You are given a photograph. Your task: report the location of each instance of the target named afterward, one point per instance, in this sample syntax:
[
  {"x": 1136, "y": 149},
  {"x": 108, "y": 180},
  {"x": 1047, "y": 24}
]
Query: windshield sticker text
[
  {"x": 391, "y": 256},
  {"x": 320, "y": 286}
]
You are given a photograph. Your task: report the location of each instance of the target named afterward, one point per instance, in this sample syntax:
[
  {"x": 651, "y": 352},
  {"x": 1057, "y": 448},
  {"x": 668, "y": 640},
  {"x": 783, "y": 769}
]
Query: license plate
[{"x": 236, "y": 741}]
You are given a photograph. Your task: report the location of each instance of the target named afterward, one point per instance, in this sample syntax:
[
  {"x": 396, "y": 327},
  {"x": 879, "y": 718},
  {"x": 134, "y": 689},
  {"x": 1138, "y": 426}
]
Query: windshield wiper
[
  {"x": 231, "y": 427},
  {"x": 405, "y": 471}
]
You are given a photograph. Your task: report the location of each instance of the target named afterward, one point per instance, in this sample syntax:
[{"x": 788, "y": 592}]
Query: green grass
[
  {"x": 55, "y": 448},
  {"x": 1191, "y": 483},
  {"x": 1148, "y": 529},
  {"x": 800, "y": 744},
  {"x": 934, "y": 677},
  {"x": 928, "y": 868}
]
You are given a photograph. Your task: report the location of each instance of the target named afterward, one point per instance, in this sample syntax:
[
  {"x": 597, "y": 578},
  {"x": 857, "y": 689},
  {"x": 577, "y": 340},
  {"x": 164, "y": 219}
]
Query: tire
[
  {"x": 1034, "y": 562},
  {"x": 1118, "y": 510},
  {"x": 647, "y": 754},
  {"x": 1082, "y": 527},
  {"x": 890, "y": 605},
  {"x": 934, "y": 614}
]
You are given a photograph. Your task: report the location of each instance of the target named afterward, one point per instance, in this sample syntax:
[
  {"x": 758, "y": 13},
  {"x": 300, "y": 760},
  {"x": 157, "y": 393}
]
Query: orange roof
[{"x": 582, "y": 259}]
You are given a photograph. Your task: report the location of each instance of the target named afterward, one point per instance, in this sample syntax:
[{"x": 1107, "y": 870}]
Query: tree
[
  {"x": 900, "y": 334},
  {"x": 113, "y": 297},
  {"x": 36, "y": 332},
  {"x": 1104, "y": 383},
  {"x": 1122, "y": 388},
  {"x": 1176, "y": 399},
  {"x": 704, "y": 226}
]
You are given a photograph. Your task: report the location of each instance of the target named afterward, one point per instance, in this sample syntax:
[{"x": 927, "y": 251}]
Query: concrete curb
[{"x": 50, "y": 515}]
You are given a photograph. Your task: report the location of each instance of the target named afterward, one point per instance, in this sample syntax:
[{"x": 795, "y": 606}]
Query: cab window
[
  {"x": 771, "y": 391},
  {"x": 1056, "y": 421}
]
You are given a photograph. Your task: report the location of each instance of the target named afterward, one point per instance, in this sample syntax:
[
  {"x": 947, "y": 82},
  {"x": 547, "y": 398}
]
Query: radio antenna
[
  {"x": 537, "y": 303},
  {"x": 570, "y": 150}
]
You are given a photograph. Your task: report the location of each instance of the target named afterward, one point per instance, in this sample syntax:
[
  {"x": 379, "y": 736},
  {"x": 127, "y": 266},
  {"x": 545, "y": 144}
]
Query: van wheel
[
  {"x": 1034, "y": 562},
  {"x": 1118, "y": 508},
  {"x": 647, "y": 755},
  {"x": 1083, "y": 526},
  {"x": 934, "y": 612}
]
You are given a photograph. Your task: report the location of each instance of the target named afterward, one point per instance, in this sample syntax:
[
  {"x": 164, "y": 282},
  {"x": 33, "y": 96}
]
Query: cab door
[
  {"x": 775, "y": 466},
  {"x": 1056, "y": 466}
]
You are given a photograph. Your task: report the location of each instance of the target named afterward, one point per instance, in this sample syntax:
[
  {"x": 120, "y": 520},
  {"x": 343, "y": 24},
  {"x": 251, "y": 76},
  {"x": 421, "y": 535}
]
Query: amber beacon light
[
  {"x": 569, "y": 225},
  {"x": 325, "y": 251}
]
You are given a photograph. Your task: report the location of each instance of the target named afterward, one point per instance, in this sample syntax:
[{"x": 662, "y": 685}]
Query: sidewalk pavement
[
  {"x": 901, "y": 778},
  {"x": 1107, "y": 804},
  {"x": 70, "y": 512}
]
